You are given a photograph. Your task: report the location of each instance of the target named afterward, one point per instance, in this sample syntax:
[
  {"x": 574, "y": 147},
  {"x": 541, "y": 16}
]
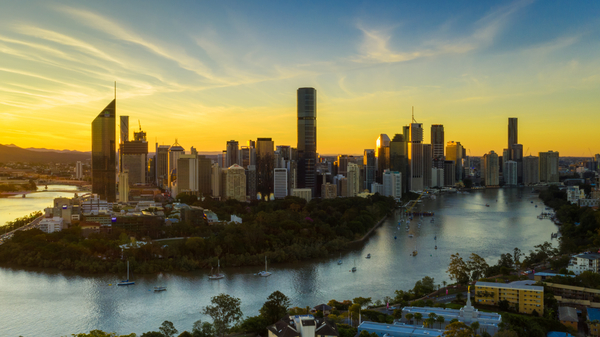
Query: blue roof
[
  {"x": 593, "y": 314},
  {"x": 558, "y": 334},
  {"x": 552, "y": 274}
]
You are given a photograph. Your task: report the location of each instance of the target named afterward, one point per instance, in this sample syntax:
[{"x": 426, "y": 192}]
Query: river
[{"x": 41, "y": 303}]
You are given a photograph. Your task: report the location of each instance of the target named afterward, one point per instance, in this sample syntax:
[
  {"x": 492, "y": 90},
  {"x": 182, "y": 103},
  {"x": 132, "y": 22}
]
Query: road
[{"x": 30, "y": 225}]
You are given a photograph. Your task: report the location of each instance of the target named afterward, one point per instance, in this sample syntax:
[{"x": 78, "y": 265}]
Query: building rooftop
[
  {"x": 558, "y": 334},
  {"x": 398, "y": 330},
  {"x": 509, "y": 285},
  {"x": 552, "y": 274},
  {"x": 567, "y": 314},
  {"x": 589, "y": 256},
  {"x": 593, "y": 314}
]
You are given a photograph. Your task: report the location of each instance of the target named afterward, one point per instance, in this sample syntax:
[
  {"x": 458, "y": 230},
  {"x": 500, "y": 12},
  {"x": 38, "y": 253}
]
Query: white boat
[
  {"x": 126, "y": 282},
  {"x": 158, "y": 289},
  {"x": 410, "y": 235},
  {"x": 218, "y": 275},
  {"x": 265, "y": 272},
  {"x": 354, "y": 268},
  {"x": 340, "y": 260},
  {"x": 369, "y": 256}
]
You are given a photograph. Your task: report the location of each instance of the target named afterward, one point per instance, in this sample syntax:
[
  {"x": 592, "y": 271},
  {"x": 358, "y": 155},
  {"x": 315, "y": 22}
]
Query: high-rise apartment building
[
  {"x": 251, "y": 182},
  {"x": 449, "y": 173},
  {"x": 382, "y": 154},
  {"x": 531, "y": 170},
  {"x": 392, "y": 184},
  {"x": 437, "y": 143},
  {"x": 437, "y": 177},
  {"x": 517, "y": 156},
  {"x": 280, "y": 183},
  {"x": 307, "y": 139},
  {"x": 427, "y": 165},
  {"x": 235, "y": 183},
  {"x": 215, "y": 180},
  {"x": 510, "y": 173},
  {"x": 265, "y": 164},
  {"x": 415, "y": 158},
  {"x": 491, "y": 169},
  {"x": 513, "y": 136},
  {"x": 79, "y": 170},
  {"x": 370, "y": 168},
  {"x": 161, "y": 165},
  {"x": 353, "y": 175},
  {"x": 454, "y": 152},
  {"x": 549, "y": 167},
  {"x": 204, "y": 173},
  {"x": 233, "y": 153},
  {"x": 104, "y": 170},
  {"x": 328, "y": 191}
]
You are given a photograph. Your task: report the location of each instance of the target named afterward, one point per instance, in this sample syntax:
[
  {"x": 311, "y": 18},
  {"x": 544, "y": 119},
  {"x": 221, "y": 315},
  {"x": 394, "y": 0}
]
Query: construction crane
[
  {"x": 415, "y": 202},
  {"x": 527, "y": 152},
  {"x": 140, "y": 124}
]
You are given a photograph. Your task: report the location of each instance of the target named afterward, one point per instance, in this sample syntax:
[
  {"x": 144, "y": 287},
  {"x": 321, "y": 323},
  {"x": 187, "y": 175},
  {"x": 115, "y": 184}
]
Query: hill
[{"x": 11, "y": 153}]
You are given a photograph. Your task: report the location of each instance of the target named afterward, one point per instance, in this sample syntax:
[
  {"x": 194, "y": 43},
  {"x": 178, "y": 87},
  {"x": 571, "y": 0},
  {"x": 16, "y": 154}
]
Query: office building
[
  {"x": 304, "y": 193},
  {"x": 370, "y": 168},
  {"x": 399, "y": 158},
  {"x": 134, "y": 158},
  {"x": 342, "y": 164},
  {"x": 79, "y": 170},
  {"x": 104, "y": 170},
  {"x": 124, "y": 186},
  {"x": 454, "y": 152},
  {"x": 215, "y": 180},
  {"x": 513, "y": 136},
  {"x": 124, "y": 128},
  {"x": 307, "y": 138},
  {"x": 449, "y": 173},
  {"x": 510, "y": 173},
  {"x": 248, "y": 156},
  {"x": 280, "y": 183},
  {"x": 251, "y": 182},
  {"x": 415, "y": 158},
  {"x": 523, "y": 298},
  {"x": 437, "y": 177},
  {"x": 353, "y": 175},
  {"x": 187, "y": 174},
  {"x": 328, "y": 191},
  {"x": 265, "y": 164},
  {"x": 437, "y": 143},
  {"x": 549, "y": 167},
  {"x": 51, "y": 225},
  {"x": 233, "y": 153},
  {"x": 491, "y": 171},
  {"x": 161, "y": 165},
  {"x": 204, "y": 173},
  {"x": 175, "y": 151},
  {"x": 235, "y": 183},
  {"x": 517, "y": 156},
  {"x": 427, "y": 165},
  {"x": 531, "y": 167},
  {"x": 382, "y": 154}
]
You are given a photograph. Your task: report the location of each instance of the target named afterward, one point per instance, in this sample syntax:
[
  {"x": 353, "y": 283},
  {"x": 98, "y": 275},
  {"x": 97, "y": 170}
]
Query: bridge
[{"x": 30, "y": 225}]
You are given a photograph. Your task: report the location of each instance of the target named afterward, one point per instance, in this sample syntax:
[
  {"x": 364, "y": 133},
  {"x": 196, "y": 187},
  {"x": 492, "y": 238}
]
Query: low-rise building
[
  {"x": 398, "y": 330},
  {"x": 524, "y": 298},
  {"x": 51, "y": 225},
  {"x": 584, "y": 262},
  {"x": 593, "y": 317},
  {"x": 568, "y": 316},
  {"x": 573, "y": 295},
  {"x": 302, "y": 326},
  {"x": 304, "y": 193}
]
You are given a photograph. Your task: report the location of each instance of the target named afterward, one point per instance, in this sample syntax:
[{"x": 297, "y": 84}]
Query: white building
[
  {"x": 353, "y": 175},
  {"x": 51, "y": 225},
  {"x": 392, "y": 184},
  {"x": 377, "y": 188},
  {"x": 574, "y": 194},
  {"x": 280, "y": 184},
  {"x": 302, "y": 326},
  {"x": 79, "y": 170},
  {"x": 93, "y": 205},
  {"x": 584, "y": 262},
  {"x": 437, "y": 177}
]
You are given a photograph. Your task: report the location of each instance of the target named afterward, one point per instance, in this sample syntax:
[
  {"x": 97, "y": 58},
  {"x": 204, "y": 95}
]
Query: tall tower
[
  {"x": 437, "y": 143},
  {"x": 265, "y": 148},
  {"x": 415, "y": 156},
  {"x": 232, "y": 153},
  {"x": 104, "y": 153},
  {"x": 491, "y": 172},
  {"x": 307, "y": 138},
  {"x": 513, "y": 136},
  {"x": 124, "y": 127},
  {"x": 369, "y": 164}
]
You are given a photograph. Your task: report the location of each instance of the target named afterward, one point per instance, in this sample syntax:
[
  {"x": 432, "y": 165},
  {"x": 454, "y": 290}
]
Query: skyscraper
[
  {"x": 517, "y": 156},
  {"x": 531, "y": 170},
  {"x": 353, "y": 175},
  {"x": 264, "y": 166},
  {"x": 415, "y": 157},
  {"x": 454, "y": 151},
  {"x": 491, "y": 172},
  {"x": 307, "y": 139},
  {"x": 187, "y": 174},
  {"x": 204, "y": 174},
  {"x": 235, "y": 183},
  {"x": 124, "y": 127},
  {"x": 510, "y": 173},
  {"x": 103, "y": 153},
  {"x": 175, "y": 151},
  {"x": 513, "y": 136},
  {"x": 399, "y": 158},
  {"x": 369, "y": 164},
  {"x": 437, "y": 143},
  {"x": 233, "y": 153},
  {"x": 382, "y": 152},
  {"x": 134, "y": 158},
  {"x": 280, "y": 177},
  {"x": 162, "y": 165},
  {"x": 427, "y": 165},
  {"x": 549, "y": 167}
]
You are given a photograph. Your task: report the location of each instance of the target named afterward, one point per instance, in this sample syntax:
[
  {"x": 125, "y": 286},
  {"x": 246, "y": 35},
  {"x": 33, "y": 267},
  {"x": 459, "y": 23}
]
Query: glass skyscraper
[
  {"x": 104, "y": 153},
  {"x": 307, "y": 139}
]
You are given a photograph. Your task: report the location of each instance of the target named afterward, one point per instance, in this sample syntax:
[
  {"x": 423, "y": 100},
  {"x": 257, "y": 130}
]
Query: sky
[{"x": 205, "y": 72}]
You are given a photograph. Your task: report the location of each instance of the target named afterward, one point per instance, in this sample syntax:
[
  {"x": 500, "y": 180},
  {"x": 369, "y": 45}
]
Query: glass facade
[
  {"x": 307, "y": 139},
  {"x": 104, "y": 153}
]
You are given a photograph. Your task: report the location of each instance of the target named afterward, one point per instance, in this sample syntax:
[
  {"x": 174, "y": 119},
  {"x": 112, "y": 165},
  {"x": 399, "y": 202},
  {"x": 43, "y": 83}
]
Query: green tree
[
  {"x": 440, "y": 319},
  {"x": 362, "y": 301},
  {"x": 185, "y": 334},
  {"x": 203, "y": 329},
  {"x": 256, "y": 324},
  {"x": 475, "y": 326},
  {"x": 458, "y": 329},
  {"x": 275, "y": 307},
  {"x": 167, "y": 329},
  {"x": 506, "y": 333},
  {"x": 503, "y": 305},
  {"x": 409, "y": 317},
  {"x": 477, "y": 266},
  {"x": 152, "y": 334},
  {"x": 458, "y": 269},
  {"x": 100, "y": 333},
  {"x": 418, "y": 317},
  {"x": 224, "y": 311}
]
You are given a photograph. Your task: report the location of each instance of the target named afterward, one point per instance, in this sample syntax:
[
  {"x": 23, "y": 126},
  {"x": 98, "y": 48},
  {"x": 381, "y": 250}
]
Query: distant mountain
[{"x": 13, "y": 153}]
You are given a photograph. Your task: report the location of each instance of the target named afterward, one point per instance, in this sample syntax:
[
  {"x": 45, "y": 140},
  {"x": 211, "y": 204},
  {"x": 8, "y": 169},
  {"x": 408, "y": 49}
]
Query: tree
[
  {"x": 185, "y": 334},
  {"x": 440, "y": 319},
  {"x": 362, "y": 301},
  {"x": 475, "y": 326},
  {"x": 152, "y": 334},
  {"x": 458, "y": 329},
  {"x": 225, "y": 309},
  {"x": 477, "y": 266},
  {"x": 409, "y": 317},
  {"x": 418, "y": 316},
  {"x": 100, "y": 333},
  {"x": 516, "y": 258},
  {"x": 275, "y": 307},
  {"x": 503, "y": 305},
  {"x": 167, "y": 329},
  {"x": 203, "y": 329},
  {"x": 257, "y": 324},
  {"x": 458, "y": 270},
  {"x": 424, "y": 286},
  {"x": 506, "y": 333}
]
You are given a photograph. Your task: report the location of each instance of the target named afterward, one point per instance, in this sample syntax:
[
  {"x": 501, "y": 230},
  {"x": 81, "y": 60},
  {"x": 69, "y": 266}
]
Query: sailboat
[
  {"x": 264, "y": 273},
  {"x": 415, "y": 252},
  {"x": 126, "y": 282},
  {"x": 354, "y": 268},
  {"x": 340, "y": 260},
  {"x": 218, "y": 275}
]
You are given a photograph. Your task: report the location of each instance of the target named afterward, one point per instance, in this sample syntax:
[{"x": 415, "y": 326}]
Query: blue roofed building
[
  {"x": 593, "y": 317},
  {"x": 398, "y": 330}
]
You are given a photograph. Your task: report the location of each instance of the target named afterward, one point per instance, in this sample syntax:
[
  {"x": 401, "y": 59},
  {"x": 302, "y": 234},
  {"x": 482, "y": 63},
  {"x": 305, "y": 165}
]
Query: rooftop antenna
[
  {"x": 115, "y": 89},
  {"x": 413, "y": 115}
]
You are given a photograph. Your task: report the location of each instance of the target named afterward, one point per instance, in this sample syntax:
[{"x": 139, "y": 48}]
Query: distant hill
[{"x": 13, "y": 153}]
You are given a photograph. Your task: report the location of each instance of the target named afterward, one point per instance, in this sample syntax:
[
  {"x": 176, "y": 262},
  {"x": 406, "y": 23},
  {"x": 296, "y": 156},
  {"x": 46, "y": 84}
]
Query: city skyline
[{"x": 226, "y": 74}]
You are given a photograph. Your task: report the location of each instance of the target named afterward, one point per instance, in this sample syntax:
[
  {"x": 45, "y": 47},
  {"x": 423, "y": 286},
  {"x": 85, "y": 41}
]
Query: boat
[
  {"x": 487, "y": 205},
  {"x": 340, "y": 260},
  {"x": 158, "y": 289},
  {"x": 435, "y": 237},
  {"x": 415, "y": 252},
  {"x": 126, "y": 282},
  {"x": 265, "y": 272},
  {"x": 354, "y": 268},
  {"x": 218, "y": 275},
  {"x": 369, "y": 256},
  {"x": 410, "y": 235},
  {"x": 435, "y": 246},
  {"x": 535, "y": 205}
]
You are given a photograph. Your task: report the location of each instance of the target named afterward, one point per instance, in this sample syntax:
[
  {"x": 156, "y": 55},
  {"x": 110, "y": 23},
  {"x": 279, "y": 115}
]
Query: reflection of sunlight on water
[{"x": 461, "y": 225}]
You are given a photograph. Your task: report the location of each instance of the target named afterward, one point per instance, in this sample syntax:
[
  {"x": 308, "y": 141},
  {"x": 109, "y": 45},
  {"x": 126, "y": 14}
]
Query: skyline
[{"x": 189, "y": 68}]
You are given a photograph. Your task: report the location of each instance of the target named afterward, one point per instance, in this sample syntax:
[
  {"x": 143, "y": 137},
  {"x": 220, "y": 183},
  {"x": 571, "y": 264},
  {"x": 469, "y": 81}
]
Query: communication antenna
[
  {"x": 413, "y": 115},
  {"x": 115, "y": 89}
]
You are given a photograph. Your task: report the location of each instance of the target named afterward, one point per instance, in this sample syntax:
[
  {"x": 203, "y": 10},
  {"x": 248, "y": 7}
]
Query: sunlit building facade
[{"x": 104, "y": 174}]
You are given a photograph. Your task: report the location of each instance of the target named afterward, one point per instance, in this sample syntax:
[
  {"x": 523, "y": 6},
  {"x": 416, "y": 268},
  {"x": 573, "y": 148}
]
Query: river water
[{"x": 42, "y": 303}]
